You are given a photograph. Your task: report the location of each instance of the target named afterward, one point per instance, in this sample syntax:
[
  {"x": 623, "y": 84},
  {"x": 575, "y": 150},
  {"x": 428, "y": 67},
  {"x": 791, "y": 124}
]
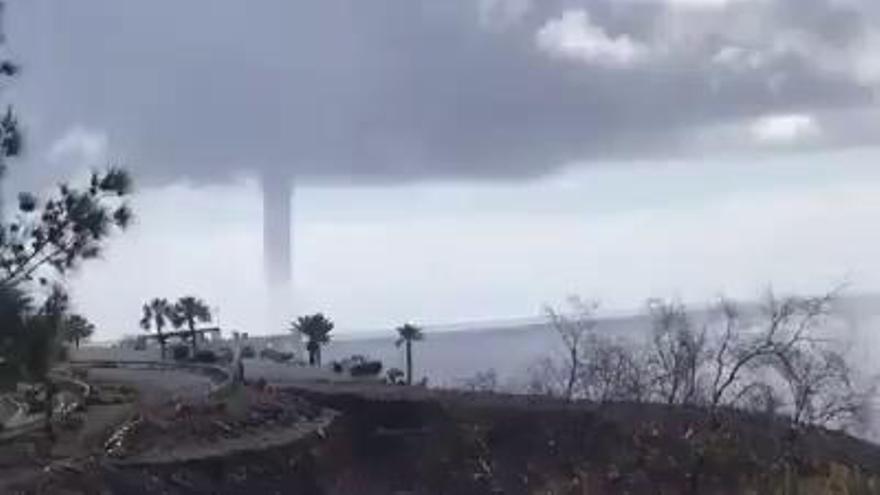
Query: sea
[{"x": 450, "y": 355}]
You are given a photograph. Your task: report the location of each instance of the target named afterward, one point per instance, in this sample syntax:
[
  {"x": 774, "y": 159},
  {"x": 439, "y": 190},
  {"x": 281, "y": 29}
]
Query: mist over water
[{"x": 448, "y": 357}]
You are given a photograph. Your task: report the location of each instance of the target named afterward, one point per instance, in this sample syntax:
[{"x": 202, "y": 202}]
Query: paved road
[
  {"x": 283, "y": 373},
  {"x": 155, "y": 386}
]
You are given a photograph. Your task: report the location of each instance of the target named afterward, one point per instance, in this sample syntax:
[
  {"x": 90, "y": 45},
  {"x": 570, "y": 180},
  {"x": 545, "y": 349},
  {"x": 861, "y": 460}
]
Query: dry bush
[
  {"x": 774, "y": 358},
  {"x": 574, "y": 328},
  {"x": 545, "y": 377},
  {"x": 677, "y": 352},
  {"x": 613, "y": 372},
  {"x": 482, "y": 381}
]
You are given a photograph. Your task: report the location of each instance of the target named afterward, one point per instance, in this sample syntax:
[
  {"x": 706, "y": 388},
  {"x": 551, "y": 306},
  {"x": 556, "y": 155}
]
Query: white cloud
[
  {"x": 79, "y": 146},
  {"x": 866, "y": 61},
  {"x": 738, "y": 58},
  {"x": 501, "y": 13},
  {"x": 707, "y": 4},
  {"x": 739, "y": 37},
  {"x": 575, "y": 36},
  {"x": 785, "y": 129}
]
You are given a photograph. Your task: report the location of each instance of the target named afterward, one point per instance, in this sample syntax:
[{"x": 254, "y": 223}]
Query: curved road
[{"x": 155, "y": 386}]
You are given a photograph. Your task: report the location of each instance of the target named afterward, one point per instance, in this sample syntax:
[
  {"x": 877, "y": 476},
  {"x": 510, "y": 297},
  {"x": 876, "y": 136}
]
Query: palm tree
[
  {"x": 317, "y": 329},
  {"x": 158, "y": 313},
  {"x": 189, "y": 310},
  {"x": 77, "y": 328},
  {"x": 407, "y": 334}
]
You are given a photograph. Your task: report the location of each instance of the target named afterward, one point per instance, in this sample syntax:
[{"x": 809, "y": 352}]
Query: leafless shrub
[
  {"x": 677, "y": 352},
  {"x": 760, "y": 399},
  {"x": 790, "y": 346},
  {"x": 733, "y": 359},
  {"x": 775, "y": 358},
  {"x": 613, "y": 372},
  {"x": 574, "y": 329},
  {"x": 545, "y": 377},
  {"x": 483, "y": 381},
  {"x": 821, "y": 387}
]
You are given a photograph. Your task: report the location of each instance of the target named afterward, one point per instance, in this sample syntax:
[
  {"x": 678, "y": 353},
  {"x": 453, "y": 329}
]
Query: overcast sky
[{"x": 462, "y": 159}]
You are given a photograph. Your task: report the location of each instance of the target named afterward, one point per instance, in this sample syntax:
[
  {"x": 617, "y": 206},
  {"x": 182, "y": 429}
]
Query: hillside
[{"x": 393, "y": 440}]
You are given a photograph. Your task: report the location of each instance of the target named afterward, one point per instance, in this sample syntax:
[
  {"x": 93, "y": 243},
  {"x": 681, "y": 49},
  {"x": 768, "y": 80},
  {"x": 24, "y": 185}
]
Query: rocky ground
[{"x": 141, "y": 416}]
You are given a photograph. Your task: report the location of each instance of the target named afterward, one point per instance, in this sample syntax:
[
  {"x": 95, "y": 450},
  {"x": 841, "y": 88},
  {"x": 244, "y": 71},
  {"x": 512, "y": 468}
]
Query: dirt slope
[{"x": 392, "y": 440}]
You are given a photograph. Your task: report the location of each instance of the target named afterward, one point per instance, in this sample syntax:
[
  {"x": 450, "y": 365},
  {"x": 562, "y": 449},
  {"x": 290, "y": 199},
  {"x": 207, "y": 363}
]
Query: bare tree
[
  {"x": 734, "y": 359},
  {"x": 771, "y": 358},
  {"x": 820, "y": 382},
  {"x": 613, "y": 372},
  {"x": 822, "y": 389},
  {"x": 574, "y": 330},
  {"x": 677, "y": 352}
]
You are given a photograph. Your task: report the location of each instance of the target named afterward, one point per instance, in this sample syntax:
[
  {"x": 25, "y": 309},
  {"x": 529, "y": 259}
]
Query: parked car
[
  {"x": 367, "y": 368},
  {"x": 276, "y": 355}
]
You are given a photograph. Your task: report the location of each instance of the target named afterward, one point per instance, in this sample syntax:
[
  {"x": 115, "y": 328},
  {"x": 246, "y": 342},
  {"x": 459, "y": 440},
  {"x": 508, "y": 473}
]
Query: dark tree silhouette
[
  {"x": 15, "y": 308},
  {"x": 31, "y": 336},
  {"x": 317, "y": 329},
  {"x": 64, "y": 230},
  {"x": 678, "y": 351},
  {"x": 42, "y": 345},
  {"x": 189, "y": 310},
  {"x": 407, "y": 334},
  {"x": 77, "y": 329},
  {"x": 157, "y": 314},
  {"x": 574, "y": 329},
  {"x": 10, "y": 134},
  {"x": 43, "y": 239}
]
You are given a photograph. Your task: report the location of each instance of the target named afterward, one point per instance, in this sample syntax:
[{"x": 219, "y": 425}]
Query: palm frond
[
  {"x": 147, "y": 317},
  {"x": 410, "y": 332}
]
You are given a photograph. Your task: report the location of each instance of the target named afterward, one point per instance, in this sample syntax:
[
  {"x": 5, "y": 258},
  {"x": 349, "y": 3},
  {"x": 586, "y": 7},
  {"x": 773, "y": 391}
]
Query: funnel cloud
[{"x": 277, "y": 194}]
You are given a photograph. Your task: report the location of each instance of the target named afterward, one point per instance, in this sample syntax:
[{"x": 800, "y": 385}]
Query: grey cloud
[{"x": 393, "y": 90}]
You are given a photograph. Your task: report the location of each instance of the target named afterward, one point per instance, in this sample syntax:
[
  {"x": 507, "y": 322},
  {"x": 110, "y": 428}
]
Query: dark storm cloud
[{"x": 392, "y": 90}]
